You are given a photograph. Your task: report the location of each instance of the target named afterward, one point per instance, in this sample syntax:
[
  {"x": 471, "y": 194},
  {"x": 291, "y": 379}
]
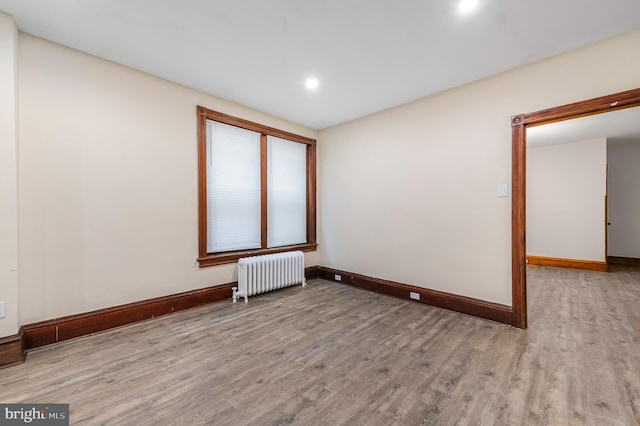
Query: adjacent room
[{"x": 339, "y": 212}]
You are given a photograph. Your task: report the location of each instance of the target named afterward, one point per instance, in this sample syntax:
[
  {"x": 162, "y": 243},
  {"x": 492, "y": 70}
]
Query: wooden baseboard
[
  {"x": 69, "y": 327},
  {"x": 587, "y": 265},
  {"x": 312, "y": 272},
  {"x": 465, "y": 305},
  {"x": 12, "y": 350},
  {"x": 624, "y": 261}
]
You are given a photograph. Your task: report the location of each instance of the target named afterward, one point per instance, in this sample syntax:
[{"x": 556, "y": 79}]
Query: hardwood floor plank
[{"x": 330, "y": 354}]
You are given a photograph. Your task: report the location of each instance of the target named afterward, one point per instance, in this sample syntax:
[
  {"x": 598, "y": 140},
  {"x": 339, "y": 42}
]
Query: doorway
[{"x": 519, "y": 124}]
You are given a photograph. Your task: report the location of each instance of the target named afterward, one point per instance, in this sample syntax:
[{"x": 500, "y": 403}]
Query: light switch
[{"x": 503, "y": 190}]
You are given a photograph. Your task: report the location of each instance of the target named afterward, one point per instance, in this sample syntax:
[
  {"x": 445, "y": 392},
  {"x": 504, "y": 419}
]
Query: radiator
[{"x": 259, "y": 274}]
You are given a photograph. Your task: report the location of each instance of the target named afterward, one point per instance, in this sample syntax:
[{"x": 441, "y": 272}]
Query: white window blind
[
  {"x": 287, "y": 192},
  {"x": 233, "y": 188}
]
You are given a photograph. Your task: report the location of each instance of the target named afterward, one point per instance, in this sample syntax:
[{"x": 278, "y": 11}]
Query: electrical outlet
[
  {"x": 414, "y": 296},
  {"x": 2, "y": 311},
  {"x": 338, "y": 277}
]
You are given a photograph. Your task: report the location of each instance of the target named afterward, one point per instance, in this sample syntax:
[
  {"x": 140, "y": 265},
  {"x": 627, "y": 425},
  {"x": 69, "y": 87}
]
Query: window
[{"x": 256, "y": 189}]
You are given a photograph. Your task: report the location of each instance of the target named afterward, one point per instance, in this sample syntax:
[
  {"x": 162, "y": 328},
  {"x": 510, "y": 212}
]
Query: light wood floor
[{"x": 330, "y": 354}]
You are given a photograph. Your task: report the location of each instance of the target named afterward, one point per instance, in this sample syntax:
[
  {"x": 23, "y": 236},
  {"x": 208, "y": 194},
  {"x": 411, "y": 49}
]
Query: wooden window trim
[
  {"x": 233, "y": 256},
  {"x": 211, "y": 259}
]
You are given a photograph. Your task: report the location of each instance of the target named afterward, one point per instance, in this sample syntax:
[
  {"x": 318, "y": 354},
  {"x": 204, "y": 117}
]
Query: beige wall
[
  {"x": 107, "y": 179},
  {"x": 624, "y": 199},
  {"x": 108, "y": 183},
  {"x": 8, "y": 175},
  {"x": 566, "y": 188},
  {"x": 410, "y": 194}
]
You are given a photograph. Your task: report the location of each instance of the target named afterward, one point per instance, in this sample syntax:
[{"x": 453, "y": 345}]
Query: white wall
[
  {"x": 624, "y": 199},
  {"x": 108, "y": 183},
  {"x": 410, "y": 194},
  {"x": 8, "y": 175},
  {"x": 566, "y": 188}
]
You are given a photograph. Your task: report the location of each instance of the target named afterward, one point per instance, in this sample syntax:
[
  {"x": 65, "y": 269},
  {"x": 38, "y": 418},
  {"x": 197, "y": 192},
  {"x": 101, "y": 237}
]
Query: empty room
[{"x": 319, "y": 213}]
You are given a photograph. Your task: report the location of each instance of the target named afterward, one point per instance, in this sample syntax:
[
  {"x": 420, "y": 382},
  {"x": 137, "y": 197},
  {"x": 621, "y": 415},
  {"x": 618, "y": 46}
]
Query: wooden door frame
[
  {"x": 606, "y": 214},
  {"x": 519, "y": 124}
]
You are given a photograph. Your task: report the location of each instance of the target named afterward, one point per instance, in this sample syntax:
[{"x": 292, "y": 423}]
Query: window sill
[{"x": 230, "y": 257}]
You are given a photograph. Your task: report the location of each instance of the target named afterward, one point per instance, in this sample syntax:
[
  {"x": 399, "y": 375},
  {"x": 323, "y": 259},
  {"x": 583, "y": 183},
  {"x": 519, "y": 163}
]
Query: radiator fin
[{"x": 259, "y": 274}]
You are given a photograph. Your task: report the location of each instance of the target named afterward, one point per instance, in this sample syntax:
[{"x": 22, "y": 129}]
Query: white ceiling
[
  {"x": 618, "y": 126},
  {"x": 368, "y": 55}
]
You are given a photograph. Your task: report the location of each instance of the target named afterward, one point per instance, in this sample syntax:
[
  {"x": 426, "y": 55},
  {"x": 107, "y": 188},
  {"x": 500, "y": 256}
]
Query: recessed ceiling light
[
  {"x": 467, "y": 5},
  {"x": 312, "y": 83}
]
